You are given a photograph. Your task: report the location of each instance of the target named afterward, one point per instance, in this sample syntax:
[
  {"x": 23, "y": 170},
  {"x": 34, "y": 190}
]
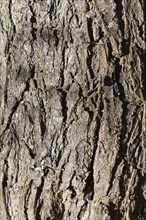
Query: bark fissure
[
  {"x": 16, "y": 105},
  {"x": 90, "y": 47},
  {"x": 119, "y": 14},
  {"x": 38, "y": 204},
  {"x": 122, "y": 141},
  {"x": 26, "y": 199}
]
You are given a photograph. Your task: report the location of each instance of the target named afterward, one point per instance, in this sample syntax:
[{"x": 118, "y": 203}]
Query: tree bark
[{"x": 73, "y": 110}]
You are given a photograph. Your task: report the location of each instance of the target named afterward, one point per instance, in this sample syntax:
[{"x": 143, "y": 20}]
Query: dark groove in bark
[
  {"x": 122, "y": 97},
  {"x": 62, "y": 68},
  {"x": 16, "y": 155},
  {"x": 11, "y": 19},
  {"x": 4, "y": 187},
  {"x": 110, "y": 51},
  {"x": 42, "y": 119},
  {"x": 144, "y": 9},
  {"x": 122, "y": 186},
  {"x": 90, "y": 47},
  {"x": 56, "y": 213},
  {"x": 125, "y": 46},
  {"x": 26, "y": 198},
  {"x": 31, "y": 153},
  {"x": 119, "y": 14},
  {"x": 55, "y": 33},
  {"x": 7, "y": 51},
  {"x": 91, "y": 115},
  {"x": 16, "y": 105},
  {"x": 64, "y": 114},
  {"x": 6, "y": 91},
  {"x": 52, "y": 8},
  {"x": 101, "y": 34},
  {"x": 89, "y": 189},
  {"x": 122, "y": 146},
  {"x": 114, "y": 212},
  {"x": 33, "y": 23},
  {"x": 38, "y": 216},
  {"x": 73, "y": 194},
  {"x": 38, "y": 195},
  {"x": 13, "y": 110},
  {"x": 82, "y": 211},
  {"x": 64, "y": 105}
]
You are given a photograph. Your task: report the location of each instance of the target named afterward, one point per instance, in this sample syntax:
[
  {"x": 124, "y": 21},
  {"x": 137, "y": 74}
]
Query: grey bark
[{"x": 73, "y": 110}]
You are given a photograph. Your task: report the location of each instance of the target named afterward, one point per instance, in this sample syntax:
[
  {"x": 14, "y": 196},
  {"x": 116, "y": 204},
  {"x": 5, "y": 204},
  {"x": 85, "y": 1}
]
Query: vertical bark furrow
[
  {"x": 119, "y": 14},
  {"x": 26, "y": 198},
  {"x": 38, "y": 204},
  {"x": 90, "y": 47},
  {"x": 5, "y": 189}
]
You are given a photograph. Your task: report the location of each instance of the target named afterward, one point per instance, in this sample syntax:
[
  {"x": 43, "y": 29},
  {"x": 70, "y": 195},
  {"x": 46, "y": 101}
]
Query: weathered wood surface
[{"x": 72, "y": 110}]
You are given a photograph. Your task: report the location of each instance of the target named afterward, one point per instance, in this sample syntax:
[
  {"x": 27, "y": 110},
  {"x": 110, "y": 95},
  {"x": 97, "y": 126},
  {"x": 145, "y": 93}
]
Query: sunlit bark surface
[{"x": 72, "y": 109}]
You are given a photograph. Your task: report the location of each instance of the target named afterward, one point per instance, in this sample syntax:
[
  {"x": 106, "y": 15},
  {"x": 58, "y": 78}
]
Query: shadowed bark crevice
[
  {"x": 89, "y": 189},
  {"x": 90, "y": 47},
  {"x": 119, "y": 14},
  {"x": 38, "y": 204},
  {"x": 26, "y": 199},
  {"x": 114, "y": 211}
]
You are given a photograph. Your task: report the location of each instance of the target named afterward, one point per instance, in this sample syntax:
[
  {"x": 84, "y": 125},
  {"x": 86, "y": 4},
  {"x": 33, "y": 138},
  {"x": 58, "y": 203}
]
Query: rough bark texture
[{"x": 73, "y": 109}]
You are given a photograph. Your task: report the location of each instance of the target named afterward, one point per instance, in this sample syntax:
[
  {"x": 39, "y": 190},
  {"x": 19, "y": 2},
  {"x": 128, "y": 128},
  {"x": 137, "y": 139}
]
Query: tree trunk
[{"x": 73, "y": 110}]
